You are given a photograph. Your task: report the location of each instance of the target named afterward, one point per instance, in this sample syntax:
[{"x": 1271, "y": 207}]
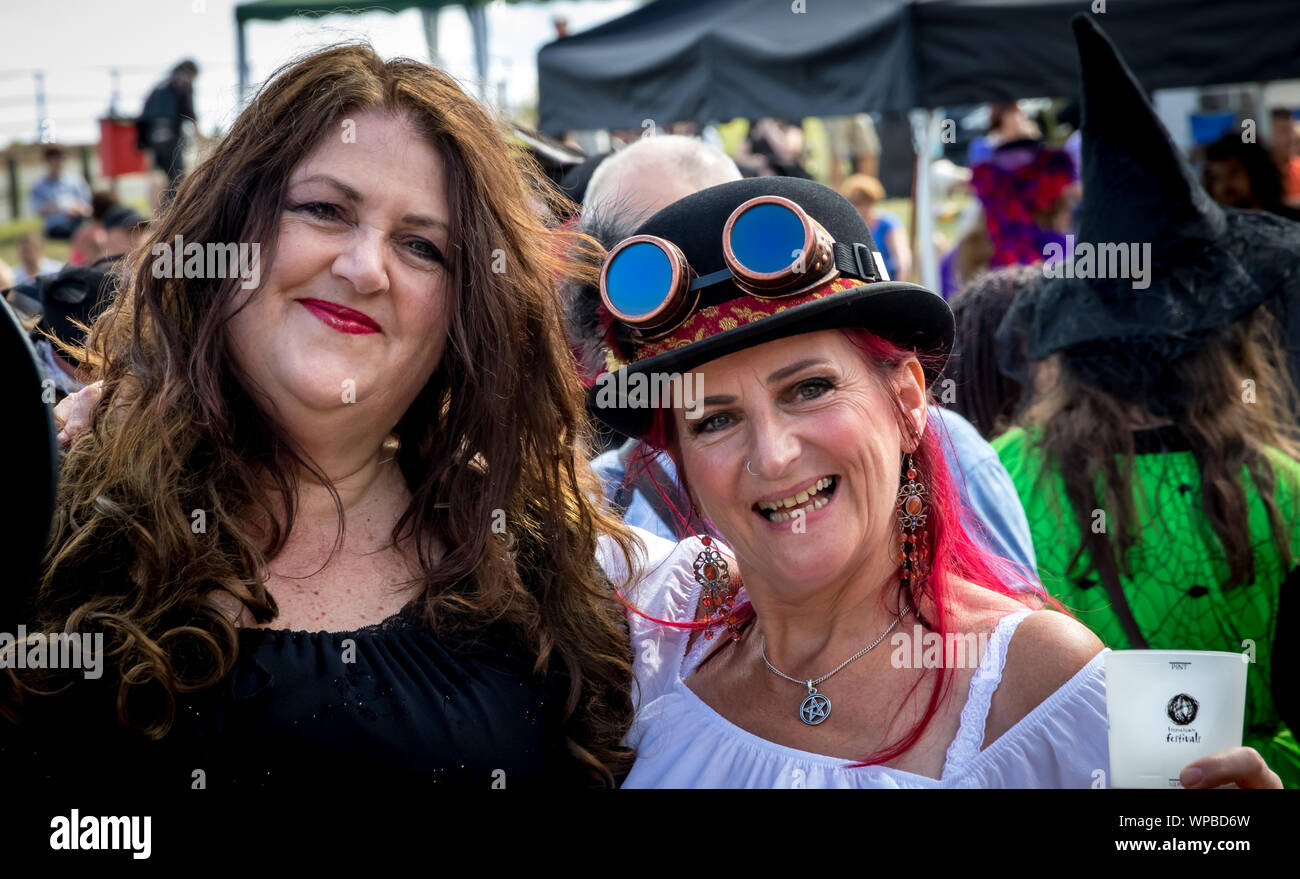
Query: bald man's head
[
  {"x": 628, "y": 188},
  {"x": 652, "y": 173}
]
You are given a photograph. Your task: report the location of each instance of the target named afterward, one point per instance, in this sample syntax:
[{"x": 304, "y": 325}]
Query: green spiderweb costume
[{"x": 1176, "y": 567}]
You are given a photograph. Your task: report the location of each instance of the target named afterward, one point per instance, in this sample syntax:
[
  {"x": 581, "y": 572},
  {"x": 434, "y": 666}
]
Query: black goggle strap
[
  {"x": 858, "y": 261},
  {"x": 710, "y": 279},
  {"x": 854, "y": 260}
]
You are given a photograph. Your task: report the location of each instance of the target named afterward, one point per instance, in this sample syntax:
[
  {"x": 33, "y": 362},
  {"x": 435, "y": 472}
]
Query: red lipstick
[{"x": 341, "y": 318}]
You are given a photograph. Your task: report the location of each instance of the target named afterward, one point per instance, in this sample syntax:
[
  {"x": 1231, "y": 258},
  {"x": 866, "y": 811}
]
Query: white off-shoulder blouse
[{"x": 681, "y": 742}]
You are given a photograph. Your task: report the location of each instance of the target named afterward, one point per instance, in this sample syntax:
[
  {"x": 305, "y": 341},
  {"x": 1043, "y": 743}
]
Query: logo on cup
[
  {"x": 1179, "y": 666},
  {"x": 1182, "y": 709}
]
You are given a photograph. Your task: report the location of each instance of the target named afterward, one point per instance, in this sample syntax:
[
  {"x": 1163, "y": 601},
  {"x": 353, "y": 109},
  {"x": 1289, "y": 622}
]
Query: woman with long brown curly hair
[
  {"x": 330, "y": 517},
  {"x": 1159, "y": 461}
]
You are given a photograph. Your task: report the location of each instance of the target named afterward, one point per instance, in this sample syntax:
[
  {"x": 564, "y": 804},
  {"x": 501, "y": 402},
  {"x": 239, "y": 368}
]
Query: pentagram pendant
[{"x": 815, "y": 708}]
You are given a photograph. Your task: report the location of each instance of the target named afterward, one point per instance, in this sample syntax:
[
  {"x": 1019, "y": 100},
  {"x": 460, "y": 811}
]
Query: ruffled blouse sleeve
[
  {"x": 1063, "y": 742},
  {"x": 665, "y": 593}
]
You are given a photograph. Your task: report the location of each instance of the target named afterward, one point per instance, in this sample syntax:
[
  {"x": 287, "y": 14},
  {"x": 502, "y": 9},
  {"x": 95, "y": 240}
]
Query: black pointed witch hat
[{"x": 1198, "y": 267}]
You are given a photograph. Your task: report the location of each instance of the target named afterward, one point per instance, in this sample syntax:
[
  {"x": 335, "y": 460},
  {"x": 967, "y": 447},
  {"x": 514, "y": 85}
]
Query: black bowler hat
[{"x": 728, "y": 319}]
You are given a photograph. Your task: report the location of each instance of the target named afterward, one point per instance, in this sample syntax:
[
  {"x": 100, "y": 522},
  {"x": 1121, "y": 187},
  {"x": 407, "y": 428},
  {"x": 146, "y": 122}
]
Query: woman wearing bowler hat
[{"x": 808, "y": 452}]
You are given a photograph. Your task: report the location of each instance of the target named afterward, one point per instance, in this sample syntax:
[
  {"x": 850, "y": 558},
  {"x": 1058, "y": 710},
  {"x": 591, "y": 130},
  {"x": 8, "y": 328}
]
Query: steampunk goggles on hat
[{"x": 772, "y": 248}]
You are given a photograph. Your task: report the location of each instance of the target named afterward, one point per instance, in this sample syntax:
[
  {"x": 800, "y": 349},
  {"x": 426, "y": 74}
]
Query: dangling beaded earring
[
  {"x": 913, "y": 508},
  {"x": 712, "y": 574}
]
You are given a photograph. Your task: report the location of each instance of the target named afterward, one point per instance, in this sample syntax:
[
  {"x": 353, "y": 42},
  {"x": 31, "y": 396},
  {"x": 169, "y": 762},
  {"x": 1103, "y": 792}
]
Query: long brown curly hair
[
  {"x": 1087, "y": 412},
  {"x": 498, "y": 428}
]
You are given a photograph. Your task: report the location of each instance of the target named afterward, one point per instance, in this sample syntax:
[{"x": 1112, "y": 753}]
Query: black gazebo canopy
[{"x": 711, "y": 60}]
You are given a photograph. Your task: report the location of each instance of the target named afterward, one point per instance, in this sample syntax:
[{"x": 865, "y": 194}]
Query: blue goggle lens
[
  {"x": 765, "y": 239},
  {"x": 639, "y": 278}
]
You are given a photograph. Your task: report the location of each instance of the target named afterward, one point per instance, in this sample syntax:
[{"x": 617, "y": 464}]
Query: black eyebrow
[{"x": 354, "y": 196}]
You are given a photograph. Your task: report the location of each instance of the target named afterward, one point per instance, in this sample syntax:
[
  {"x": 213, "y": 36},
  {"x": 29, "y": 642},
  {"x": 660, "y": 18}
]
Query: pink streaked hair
[{"x": 955, "y": 553}]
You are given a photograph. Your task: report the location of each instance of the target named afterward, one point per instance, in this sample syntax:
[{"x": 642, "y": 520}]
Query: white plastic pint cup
[{"x": 1166, "y": 708}]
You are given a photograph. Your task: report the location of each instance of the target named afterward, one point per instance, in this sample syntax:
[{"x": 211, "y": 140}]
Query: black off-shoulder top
[{"x": 389, "y": 705}]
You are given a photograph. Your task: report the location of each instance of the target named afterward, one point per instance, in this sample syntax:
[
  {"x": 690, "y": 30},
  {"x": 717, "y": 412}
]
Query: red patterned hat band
[{"x": 713, "y": 320}]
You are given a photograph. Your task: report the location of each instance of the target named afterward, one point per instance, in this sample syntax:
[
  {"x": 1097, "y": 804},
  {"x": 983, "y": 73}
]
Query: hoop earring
[{"x": 913, "y": 510}]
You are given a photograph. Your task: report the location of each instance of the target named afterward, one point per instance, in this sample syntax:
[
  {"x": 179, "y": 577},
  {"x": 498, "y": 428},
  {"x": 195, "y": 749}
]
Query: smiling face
[
  {"x": 355, "y": 302},
  {"x": 820, "y": 428}
]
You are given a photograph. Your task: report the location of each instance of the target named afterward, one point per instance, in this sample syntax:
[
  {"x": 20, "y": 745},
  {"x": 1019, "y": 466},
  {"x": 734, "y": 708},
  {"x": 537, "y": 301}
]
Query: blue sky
[{"x": 76, "y": 42}]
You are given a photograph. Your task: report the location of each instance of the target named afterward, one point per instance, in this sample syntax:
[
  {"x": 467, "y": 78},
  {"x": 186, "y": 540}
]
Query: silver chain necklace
[{"x": 815, "y": 708}]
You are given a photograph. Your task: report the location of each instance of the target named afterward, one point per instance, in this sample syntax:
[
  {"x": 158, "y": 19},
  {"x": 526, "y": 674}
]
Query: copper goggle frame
[{"x": 683, "y": 296}]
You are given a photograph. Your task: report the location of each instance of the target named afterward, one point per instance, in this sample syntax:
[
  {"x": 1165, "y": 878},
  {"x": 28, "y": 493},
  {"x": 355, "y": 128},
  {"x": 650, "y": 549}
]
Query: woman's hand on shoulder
[{"x": 72, "y": 414}]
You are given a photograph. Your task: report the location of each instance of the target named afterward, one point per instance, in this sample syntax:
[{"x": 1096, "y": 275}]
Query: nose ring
[{"x": 748, "y": 468}]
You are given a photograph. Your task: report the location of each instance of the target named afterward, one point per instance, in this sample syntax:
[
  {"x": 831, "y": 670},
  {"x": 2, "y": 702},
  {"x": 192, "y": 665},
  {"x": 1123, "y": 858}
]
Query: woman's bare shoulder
[
  {"x": 978, "y": 609},
  {"x": 1050, "y": 646},
  {"x": 1046, "y": 651}
]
